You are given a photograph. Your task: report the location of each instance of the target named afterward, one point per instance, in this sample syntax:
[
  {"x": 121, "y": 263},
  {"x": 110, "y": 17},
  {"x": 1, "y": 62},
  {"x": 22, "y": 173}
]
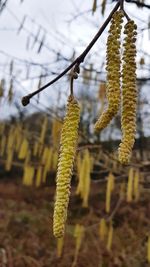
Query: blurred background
[{"x": 109, "y": 212}]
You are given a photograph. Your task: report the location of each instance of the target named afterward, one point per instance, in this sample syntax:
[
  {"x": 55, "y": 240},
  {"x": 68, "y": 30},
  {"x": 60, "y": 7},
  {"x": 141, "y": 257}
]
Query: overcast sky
[{"x": 58, "y": 16}]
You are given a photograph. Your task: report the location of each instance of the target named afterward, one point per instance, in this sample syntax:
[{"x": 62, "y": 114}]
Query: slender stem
[
  {"x": 122, "y": 4},
  {"x": 78, "y": 60},
  {"x": 126, "y": 15},
  {"x": 71, "y": 85}
]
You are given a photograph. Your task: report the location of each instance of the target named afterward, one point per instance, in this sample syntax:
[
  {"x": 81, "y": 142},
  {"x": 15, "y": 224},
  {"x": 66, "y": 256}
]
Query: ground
[{"x": 26, "y": 237}]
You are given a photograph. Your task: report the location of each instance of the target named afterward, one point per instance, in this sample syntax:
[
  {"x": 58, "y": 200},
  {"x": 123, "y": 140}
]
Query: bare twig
[
  {"x": 78, "y": 60},
  {"x": 138, "y": 3}
]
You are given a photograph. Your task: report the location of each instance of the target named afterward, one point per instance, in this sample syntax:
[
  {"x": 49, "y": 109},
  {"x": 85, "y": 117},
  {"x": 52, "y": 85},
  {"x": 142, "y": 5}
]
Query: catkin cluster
[
  {"x": 68, "y": 144},
  {"x": 113, "y": 63},
  {"x": 129, "y": 93}
]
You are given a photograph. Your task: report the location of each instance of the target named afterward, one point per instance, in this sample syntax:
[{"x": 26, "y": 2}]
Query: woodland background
[{"x": 39, "y": 40}]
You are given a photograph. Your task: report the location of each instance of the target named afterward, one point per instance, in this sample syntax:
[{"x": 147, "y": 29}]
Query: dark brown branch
[
  {"x": 139, "y": 4},
  {"x": 121, "y": 4},
  {"x": 78, "y": 60}
]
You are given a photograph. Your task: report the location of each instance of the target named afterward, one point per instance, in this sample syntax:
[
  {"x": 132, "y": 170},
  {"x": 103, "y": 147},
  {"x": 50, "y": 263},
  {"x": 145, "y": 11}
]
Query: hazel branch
[{"x": 77, "y": 61}]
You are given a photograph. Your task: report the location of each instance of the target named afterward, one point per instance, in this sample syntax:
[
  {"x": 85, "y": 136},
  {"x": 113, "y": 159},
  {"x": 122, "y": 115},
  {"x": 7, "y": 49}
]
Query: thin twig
[
  {"x": 78, "y": 60},
  {"x": 122, "y": 4}
]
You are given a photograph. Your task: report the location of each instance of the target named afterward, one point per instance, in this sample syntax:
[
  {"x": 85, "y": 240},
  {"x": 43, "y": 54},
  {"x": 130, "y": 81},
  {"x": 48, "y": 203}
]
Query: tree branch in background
[{"x": 139, "y": 4}]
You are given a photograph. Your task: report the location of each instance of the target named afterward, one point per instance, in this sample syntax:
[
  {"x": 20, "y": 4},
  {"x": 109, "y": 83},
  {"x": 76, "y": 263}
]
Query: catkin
[
  {"x": 136, "y": 185},
  {"x": 23, "y": 149},
  {"x": 83, "y": 187},
  {"x": 56, "y": 129},
  {"x": 60, "y": 244},
  {"x": 28, "y": 175},
  {"x": 3, "y": 145},
  {"x": 68, "y": 144},
  {"x": 129, "y": 93},
  {"x": 87, "y": 179},
  {"x": 113, "y": 63},
  {"x": 47, "y": 164},
  {"x": 9, "y": 160},
  {"x": 130, "y": 185},
  {"x": 102, "y": 229},
  {"x": 110, "y": 237},
  {"x": 38, "y": 180},
  {"x": 79, "y": 232},
  {"x": 109, "y": 189}
]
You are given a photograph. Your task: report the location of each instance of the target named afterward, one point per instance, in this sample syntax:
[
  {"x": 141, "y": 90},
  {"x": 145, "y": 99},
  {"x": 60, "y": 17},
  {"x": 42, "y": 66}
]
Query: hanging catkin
[
  {"x": 28, "y": 175},
  {"x": 68, "y": 144},
  {"x": 110, "y": 236},
  {"x": 60, "y": 244},
  {"x": 130, "y": 185},
  {"x": 113, "y": 72},
  {"x": 87, "y": 179},
  {"x": 129, "y": 93},
  {"x": 56, "y": 129},
  {"x": 23, "y": 149},
  {"x": 79, "y": 232},
  {"x": 83, "y": 187},
  {"x": 136, "y": 185},
  {"x": 3, "y": 145},
  {"x": 38, "y": 180},
  {"x": 109, "y": 189},
  {"x": 103, "y": 229}
]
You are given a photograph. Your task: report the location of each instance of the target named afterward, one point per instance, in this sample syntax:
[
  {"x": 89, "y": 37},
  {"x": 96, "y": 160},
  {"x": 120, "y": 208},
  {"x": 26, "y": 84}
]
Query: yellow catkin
[
  {"x": 27, "y": 158},
  {"x": 79, "y": 235},
  {"x": 81, "y": 172},
  {"x": 10, "y": 140},
  {"x": 68, "y": 145},
  {"x": 109, "y": 189},
  {"x": 43, "y": 130},
  {"x": 87, "y": 179},
  {"x": 9, "y": 160},
  {"x": 2, "y": 128},
  {"x": 83, "y": 187},
  {"x": 60, "y": 244},
  {"x": 23, "y": 149},
  {"x": 78, "y": 165},
  {"x": 148, "y": 249},
  {"x": 54, "y": 160},
  {"x": 113, "y": 72},
  {"x": 44, "y": 155},
  {"x": 18, "y": 138},
  {"x": 136, "y": 185},
  {"x": 129, "y": 94},
  {"x": 102, "y": 229},
  {"x": 28, "y": 175},
  {"x": 56, "y": 130},
  {"x": 38, "y": 179},
  {"x": 110, "y": 237},
  {"x": 130, "y": 185},
  {"x": 3, "y": 145},
  {"x": 48, "y": 164}
]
